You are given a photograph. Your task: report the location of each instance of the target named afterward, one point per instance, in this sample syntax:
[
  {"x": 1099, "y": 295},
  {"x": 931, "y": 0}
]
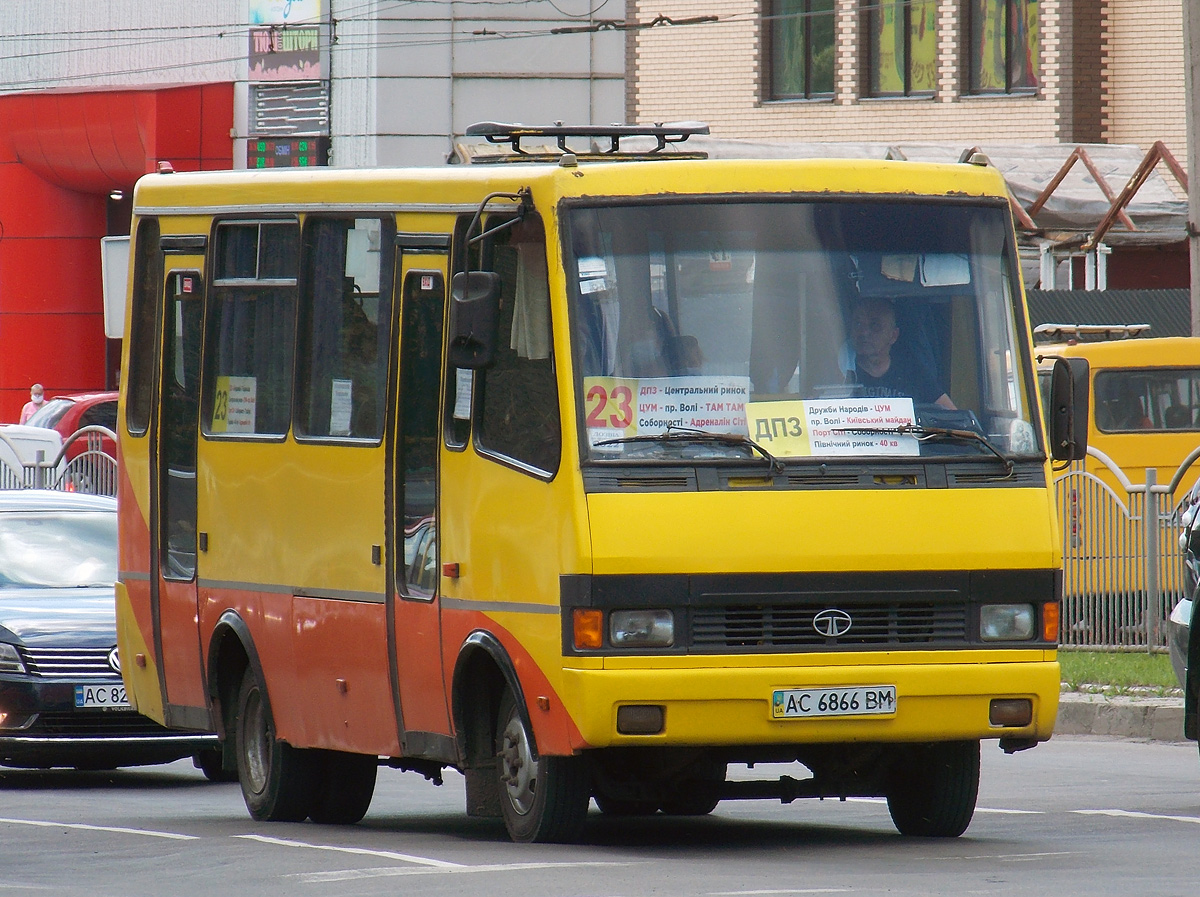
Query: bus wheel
[
  {"x": 933, "y": 789},
  {"x": 544, "y": 799},
  {"x": 345, "y": 784},
  {"x": 211, "y": 762},
  {"x": 698, "y": 793},
  {"x": 276, "y": 778}
]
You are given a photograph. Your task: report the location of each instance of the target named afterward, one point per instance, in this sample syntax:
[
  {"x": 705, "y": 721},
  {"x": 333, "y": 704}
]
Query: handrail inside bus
[{"x": 524, "y": 197}]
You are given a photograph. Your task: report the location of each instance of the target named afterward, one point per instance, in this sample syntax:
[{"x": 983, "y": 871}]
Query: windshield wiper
[
  {"x": 692, "y": 436},
  {"x": 922, "y": 433}
]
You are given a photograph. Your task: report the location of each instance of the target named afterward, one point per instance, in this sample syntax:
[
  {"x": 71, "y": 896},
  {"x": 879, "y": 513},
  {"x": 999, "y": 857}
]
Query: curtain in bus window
[
  {"x": 520, "y": 397},
  {"x": 252, "y": 374},
  {"x": 342, "y": 357}
]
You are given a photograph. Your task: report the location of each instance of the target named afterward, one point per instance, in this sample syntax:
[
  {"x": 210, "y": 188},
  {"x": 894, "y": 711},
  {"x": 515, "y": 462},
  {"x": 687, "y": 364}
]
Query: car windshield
[
  {"x": 50, "y": 413},
  {"x": 57, "y": 549},
  {"x": 816, "y": 329}
]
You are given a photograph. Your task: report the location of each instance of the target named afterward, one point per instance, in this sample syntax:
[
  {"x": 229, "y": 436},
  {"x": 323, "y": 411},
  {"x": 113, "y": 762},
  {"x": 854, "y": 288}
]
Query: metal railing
[
  {"x": 90, "y": 470},
  {"x": 1122, "y": 562}
]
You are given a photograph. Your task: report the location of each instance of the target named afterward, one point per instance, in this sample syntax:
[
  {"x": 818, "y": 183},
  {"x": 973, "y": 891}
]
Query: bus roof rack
[
  {"x": 664, "y": 135},
  {"x": 1058, "y": 333}
]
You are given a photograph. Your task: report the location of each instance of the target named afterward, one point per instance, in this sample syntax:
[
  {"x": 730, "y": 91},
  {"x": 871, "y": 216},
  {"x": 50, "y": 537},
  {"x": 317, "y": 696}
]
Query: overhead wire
[{"x": 368, "y": 12}]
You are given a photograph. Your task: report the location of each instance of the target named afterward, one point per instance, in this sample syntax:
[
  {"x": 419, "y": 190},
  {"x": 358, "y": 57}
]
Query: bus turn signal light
[
  {"x": 1050, "y": 621},
  {"x": 588, "y": 626}
]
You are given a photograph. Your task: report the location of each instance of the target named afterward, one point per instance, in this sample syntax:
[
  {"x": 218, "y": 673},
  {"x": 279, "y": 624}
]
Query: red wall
[{"x": 61, "y": 154}]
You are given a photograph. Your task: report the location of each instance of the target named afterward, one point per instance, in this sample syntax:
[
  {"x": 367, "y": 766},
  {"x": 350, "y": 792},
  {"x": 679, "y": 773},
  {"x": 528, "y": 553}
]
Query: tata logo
[
  {"x": 114, "y": 660},
  {"x": 832, "y": 622}
]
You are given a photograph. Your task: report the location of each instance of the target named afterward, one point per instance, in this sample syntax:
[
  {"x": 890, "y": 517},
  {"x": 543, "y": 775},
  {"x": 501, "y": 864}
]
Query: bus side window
[
  {"x": 519, "y": 395},
  {"x": 147, "y": 282},
  {"x": 345, "y": 328},
  {"x": 252, "y": 313}
]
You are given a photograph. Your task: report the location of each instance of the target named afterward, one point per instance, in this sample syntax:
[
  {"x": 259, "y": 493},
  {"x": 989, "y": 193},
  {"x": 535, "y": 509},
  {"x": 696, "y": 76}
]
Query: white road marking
[
  {"x": 883, "y": 800},
  {"x": 1133, "y": 814},
  {"x": 789, "y": 891},
  {"x": 175, "y": 836},
  {"x": 391, "y": 871},
  {"x": 1021, "y": 857},
  {"x": 360, "y": 851}
]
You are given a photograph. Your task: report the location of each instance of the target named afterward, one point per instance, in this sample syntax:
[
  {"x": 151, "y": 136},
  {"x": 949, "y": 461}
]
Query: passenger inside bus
[{"x": 1119, "y": 407}]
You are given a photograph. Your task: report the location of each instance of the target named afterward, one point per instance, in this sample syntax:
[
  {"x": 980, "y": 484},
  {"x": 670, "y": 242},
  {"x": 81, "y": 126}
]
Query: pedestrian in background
[{"x": 36, "y": 397}]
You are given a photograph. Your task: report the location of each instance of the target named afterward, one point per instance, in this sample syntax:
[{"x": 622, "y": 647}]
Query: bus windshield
[{"x": 830, "y": 329}]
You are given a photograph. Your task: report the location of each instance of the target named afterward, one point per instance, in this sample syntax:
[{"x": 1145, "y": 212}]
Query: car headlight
[
  {"x": 10, "y": 660},
  {"x": 1007, "y": 622},
  {"x": 641, "y": 628}
]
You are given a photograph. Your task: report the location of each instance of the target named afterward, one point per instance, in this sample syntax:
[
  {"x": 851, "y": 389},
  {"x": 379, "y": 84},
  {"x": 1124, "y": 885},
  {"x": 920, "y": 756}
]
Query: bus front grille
[{"x": 789, "y": 627}]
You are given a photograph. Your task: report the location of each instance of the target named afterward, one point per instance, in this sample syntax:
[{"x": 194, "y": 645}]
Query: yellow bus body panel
[
  {"x": 892, "y": 528},
  {"x": 141, "y": 678}
]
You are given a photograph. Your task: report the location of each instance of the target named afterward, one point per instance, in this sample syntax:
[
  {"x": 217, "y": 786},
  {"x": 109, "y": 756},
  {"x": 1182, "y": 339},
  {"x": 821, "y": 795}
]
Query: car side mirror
[
  {"x": 1068, "y": 413},
  {"x": 474, "y": 313}
]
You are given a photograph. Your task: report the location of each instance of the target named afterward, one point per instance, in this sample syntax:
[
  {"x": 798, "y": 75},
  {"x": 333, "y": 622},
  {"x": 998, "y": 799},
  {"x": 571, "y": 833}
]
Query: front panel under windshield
[{"x": 818, "y": 330}]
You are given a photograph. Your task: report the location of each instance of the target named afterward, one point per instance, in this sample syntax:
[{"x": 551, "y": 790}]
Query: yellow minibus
[{"x": 593, "y": 475}]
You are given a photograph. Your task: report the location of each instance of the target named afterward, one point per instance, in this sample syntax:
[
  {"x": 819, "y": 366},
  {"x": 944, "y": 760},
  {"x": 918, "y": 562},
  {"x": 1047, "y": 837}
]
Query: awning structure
[{"x": 1073, "y": 209}]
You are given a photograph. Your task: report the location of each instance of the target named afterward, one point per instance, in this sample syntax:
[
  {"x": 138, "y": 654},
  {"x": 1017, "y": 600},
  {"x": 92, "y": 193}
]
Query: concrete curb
[{"x": 1150, "y": 719}]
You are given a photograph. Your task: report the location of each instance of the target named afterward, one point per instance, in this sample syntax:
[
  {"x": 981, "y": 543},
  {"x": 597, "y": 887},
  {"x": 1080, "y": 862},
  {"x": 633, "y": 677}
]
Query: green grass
[{"x": 1118, "y": 672}]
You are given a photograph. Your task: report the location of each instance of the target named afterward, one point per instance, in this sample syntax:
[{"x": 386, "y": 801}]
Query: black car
[{"x": 62, "y": 701}]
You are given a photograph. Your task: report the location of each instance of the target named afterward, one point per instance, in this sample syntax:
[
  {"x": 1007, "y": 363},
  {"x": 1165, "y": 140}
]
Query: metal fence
[
  {"x": 1122, "y": 563},
  {"x": 82, "y": 465}
]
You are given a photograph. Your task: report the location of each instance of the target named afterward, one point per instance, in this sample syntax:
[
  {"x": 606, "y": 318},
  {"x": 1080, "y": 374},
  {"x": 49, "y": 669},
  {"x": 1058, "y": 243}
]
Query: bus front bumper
[{"x": 740, "y": 706}]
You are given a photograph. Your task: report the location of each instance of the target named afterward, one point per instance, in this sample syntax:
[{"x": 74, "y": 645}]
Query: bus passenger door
[
  {"x": 173, "y": 498},
  {"x": 414, "y": 619}
]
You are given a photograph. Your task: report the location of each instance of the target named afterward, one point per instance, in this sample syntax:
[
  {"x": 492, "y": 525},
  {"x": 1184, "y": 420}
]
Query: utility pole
[{"x": 1191, "y": 53}]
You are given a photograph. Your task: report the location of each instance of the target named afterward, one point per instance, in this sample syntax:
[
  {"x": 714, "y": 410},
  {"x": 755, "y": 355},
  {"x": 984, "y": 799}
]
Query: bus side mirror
[
  {"x": 474, "y": 309},
  {"x": 1069, "y": 409}
]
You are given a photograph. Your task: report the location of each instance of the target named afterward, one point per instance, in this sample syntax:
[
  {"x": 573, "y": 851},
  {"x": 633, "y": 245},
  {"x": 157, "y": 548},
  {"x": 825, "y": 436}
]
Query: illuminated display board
[{"x": 287, "y": 152}]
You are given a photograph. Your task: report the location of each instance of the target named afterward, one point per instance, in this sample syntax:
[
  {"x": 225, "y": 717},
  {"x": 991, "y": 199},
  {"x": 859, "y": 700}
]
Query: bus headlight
[
  {"x": 1007, "y": 622},
  {"x": 641, "y": 628},
  {"x": 10, "y": 660}
]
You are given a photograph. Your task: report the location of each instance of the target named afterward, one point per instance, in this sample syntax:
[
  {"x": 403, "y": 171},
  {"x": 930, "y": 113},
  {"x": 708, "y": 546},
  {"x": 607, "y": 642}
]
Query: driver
[{"x": 873, "y": 332}]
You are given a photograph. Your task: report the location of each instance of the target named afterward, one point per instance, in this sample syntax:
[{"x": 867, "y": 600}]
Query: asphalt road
[{"x": 1075, "y": 816}]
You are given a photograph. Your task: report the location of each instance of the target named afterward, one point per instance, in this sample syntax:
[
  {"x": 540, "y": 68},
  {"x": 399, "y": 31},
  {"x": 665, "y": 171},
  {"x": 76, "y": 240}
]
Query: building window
[
  {"x": 902, "y": 42},
  {"x": 801, "y": 38},
  {"x": 1004, "y": 46}
]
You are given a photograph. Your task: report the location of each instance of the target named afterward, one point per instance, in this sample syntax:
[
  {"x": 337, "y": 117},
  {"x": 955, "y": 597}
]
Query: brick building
[{"x": 1100, "y": 71}]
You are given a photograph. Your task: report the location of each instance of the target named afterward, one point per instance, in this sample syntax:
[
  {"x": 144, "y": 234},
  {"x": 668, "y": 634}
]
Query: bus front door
[{"x": 414, "y": 619}]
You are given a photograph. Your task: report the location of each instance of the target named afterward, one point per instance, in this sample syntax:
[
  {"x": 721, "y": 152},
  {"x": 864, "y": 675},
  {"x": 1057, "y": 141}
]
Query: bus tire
[
  {"x": 541, "y": 800},
  {"x": 211, "y": 762},
  {"x": 698, "y": 793},
  {"x": 933, "y": 789},
  {"x": 345, "y": 784},
  {"x": 276, "y": 778}
]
